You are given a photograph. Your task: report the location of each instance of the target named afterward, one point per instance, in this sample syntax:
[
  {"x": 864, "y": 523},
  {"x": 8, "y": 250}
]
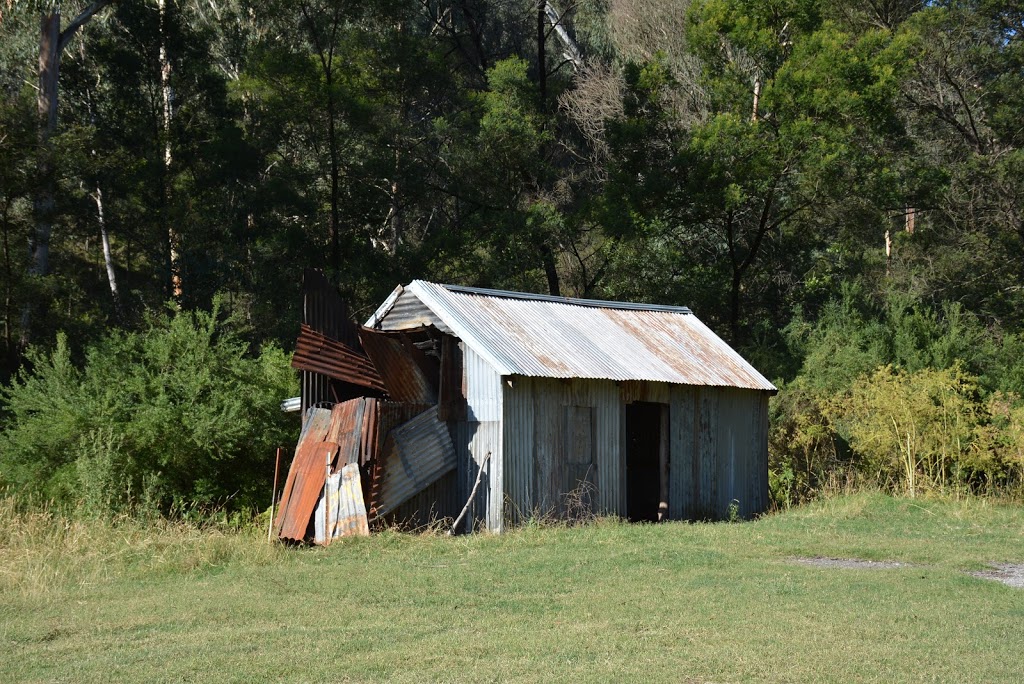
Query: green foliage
[
  {"x": 900, "y": 395},
  {"x": 178, "y": 413},
  {"x": 911, "y": 430},
  {"x": 835, "y": 187}
]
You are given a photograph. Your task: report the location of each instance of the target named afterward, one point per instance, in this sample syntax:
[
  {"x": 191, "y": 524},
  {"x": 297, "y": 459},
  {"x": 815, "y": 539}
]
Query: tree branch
[{"x": 85, "y": 15}]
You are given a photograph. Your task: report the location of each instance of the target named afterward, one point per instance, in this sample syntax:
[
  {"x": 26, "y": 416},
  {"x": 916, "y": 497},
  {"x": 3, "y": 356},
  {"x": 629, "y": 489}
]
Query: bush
[
  {"x": 898, "y": 395},
  {"x": 179, "y": 414},
  {"x": 912, "y": 431}
]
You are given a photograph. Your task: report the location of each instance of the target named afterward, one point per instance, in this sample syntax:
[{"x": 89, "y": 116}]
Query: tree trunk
[
  {"x": 542, "y": 68},
  {"x": 51, "y": 44},
  {"x": 44, "y": 204},
  {"x": 108, "y": 257},
  {"x": 167, "y": 97},
  {"x": 551, "y": 271}
]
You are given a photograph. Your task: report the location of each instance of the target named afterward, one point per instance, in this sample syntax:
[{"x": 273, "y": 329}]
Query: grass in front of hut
[{"x": 90, "y": 601}]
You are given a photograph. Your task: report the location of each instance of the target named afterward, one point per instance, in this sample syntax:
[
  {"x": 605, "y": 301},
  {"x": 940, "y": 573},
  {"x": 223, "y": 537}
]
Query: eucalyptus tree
[{"x": 54, "y": 37}]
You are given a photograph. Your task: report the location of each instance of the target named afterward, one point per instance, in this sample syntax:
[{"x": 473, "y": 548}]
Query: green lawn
[{"x": 606, "y": 602}]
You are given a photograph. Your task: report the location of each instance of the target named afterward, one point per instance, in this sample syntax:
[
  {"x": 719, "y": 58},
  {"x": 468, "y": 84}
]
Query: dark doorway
[{"x": 643, "y": 460}]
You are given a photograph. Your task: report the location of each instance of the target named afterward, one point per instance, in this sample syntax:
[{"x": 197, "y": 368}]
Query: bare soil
[
  {"x": 850, "y": 563},
  {"x": 1010, "y": 574}
]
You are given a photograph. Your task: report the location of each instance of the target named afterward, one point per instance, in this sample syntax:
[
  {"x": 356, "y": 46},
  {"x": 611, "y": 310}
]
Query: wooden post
[{"x": 273, "y": 496}]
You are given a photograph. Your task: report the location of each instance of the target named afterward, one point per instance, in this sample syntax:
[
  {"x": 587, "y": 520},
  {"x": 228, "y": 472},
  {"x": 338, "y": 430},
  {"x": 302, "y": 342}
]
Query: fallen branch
[{"x": 472, "y": 494}]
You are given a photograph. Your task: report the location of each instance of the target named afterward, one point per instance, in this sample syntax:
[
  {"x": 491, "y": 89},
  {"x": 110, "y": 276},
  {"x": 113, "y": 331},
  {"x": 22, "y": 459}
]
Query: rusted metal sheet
[
  {"x": 539, "y": 336},
  {"x": 325, "y": 312},
  {"x": 342, "y": 510},
  {"x": 416, "y": 455},
  {"x": 318, "y": 353},
  {"x": 408, "y": 374},
  {"x": 314, "y": 432},
  {"x": 328, "y": 443},
  {"x": 306, "y": 477}
]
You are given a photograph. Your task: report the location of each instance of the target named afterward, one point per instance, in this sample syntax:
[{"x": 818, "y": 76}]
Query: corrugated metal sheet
[
  {"x": 318, "y": 353},
  {"x": 403, "y": 310},
  {"x": 386, "y": 416},
  {"x": 717, "y": 441},
  {"x": 417, "y": 454},
  {"x": 719, "y": 452},
  {"x": 437, "y": 501},
  {"x": 343, "y": 510},
  {"x": 289, "y": 523},
  {"x": 329, "y": 440},
  {"x": 473, "y": 442},
  {"x": 324, "y": 311},
  {"x": 543, "y": 459},
  {"x": 482, "y": 435},
  {"x": 537, "y": 336},
  {"x": 407, "y": 374}
]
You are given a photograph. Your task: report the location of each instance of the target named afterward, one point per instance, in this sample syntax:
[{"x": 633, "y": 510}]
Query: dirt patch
[
  {"x": 1010, "y": 574},
  {"x": 850, "y": 563}
]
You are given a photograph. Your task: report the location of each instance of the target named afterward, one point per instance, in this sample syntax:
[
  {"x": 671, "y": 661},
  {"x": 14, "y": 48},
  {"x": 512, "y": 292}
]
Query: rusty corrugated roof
[
  {"x": 317, "y": 353},
  {"x": 403, "y": 367},
  {"x": 560, "y": 337}
]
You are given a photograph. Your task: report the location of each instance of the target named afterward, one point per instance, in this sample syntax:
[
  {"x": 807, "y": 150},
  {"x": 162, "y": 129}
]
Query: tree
[{"x": 52, "y": 42}]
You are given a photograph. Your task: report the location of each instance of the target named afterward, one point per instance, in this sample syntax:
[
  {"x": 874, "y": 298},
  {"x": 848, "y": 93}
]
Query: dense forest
[{"x": 835, "y": 187}]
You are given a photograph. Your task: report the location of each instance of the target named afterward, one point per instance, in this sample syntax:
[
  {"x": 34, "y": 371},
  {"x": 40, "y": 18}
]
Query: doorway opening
[{"x": 644, "y": 456}]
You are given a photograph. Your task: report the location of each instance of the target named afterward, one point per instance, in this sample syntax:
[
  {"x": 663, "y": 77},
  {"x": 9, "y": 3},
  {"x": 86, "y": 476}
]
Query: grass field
[{"x": 87, "y": 602}]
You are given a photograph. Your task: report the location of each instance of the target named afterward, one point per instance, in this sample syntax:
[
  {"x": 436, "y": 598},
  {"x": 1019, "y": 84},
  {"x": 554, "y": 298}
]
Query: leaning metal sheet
[{"x": 343, "y": 511}]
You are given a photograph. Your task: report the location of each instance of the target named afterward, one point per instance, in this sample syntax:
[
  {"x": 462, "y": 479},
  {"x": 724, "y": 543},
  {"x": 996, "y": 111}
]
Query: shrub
[
  {"x": 911, "y": 430},
  {"x": 177, "y": 414}
]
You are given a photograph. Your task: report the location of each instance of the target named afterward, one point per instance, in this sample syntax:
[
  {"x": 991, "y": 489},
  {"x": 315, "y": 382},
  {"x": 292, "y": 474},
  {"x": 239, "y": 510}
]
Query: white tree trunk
[{"x": 167, "y": 95}]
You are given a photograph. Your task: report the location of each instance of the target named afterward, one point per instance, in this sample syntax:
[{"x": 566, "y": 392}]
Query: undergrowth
[{"x": 42, "y": 546}]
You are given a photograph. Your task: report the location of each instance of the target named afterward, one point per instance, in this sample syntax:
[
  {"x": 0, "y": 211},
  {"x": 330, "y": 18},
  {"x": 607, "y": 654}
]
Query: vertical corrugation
[
  {"x": 483, "y": 388},
  {"x": 608, "y": 452},
  {"x": 437, "y": 501},
  {"x": 517, "y": 430},
  {"x": 547, "y": 437},
  {"x": 681, "y": 484},
  {"x": 760, "y": 439},
  {"x": 707, "y": 449},
  {"x": 484, "y": 407}
]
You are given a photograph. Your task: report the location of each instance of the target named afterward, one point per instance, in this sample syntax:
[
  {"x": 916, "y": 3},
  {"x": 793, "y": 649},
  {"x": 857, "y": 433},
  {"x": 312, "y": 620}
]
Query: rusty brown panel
[
  {"x": 340, "y": 439},
  {"x": 319, "y": 353},
  {"x": 308, "y": 473},
  {"x": 346, "y": 430},
  {"x": 403, "y": 367},
  {"x": 314, "y": 431}
]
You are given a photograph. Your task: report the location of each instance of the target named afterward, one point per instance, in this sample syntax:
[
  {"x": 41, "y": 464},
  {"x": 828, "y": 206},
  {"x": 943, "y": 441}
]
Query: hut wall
[
  {"x": 719, "y": 452},
  {"x": 478, "y": 435},
  {"x": 562, "y": 448},
  {"x": 559, "y": 433},
  {"x": 439, "y": 500},
  {"x": 407, "y": 311}
]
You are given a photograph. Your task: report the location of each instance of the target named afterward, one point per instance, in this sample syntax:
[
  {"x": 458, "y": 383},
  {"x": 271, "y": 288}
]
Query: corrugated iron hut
[{"x": 636, "y": 410}]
